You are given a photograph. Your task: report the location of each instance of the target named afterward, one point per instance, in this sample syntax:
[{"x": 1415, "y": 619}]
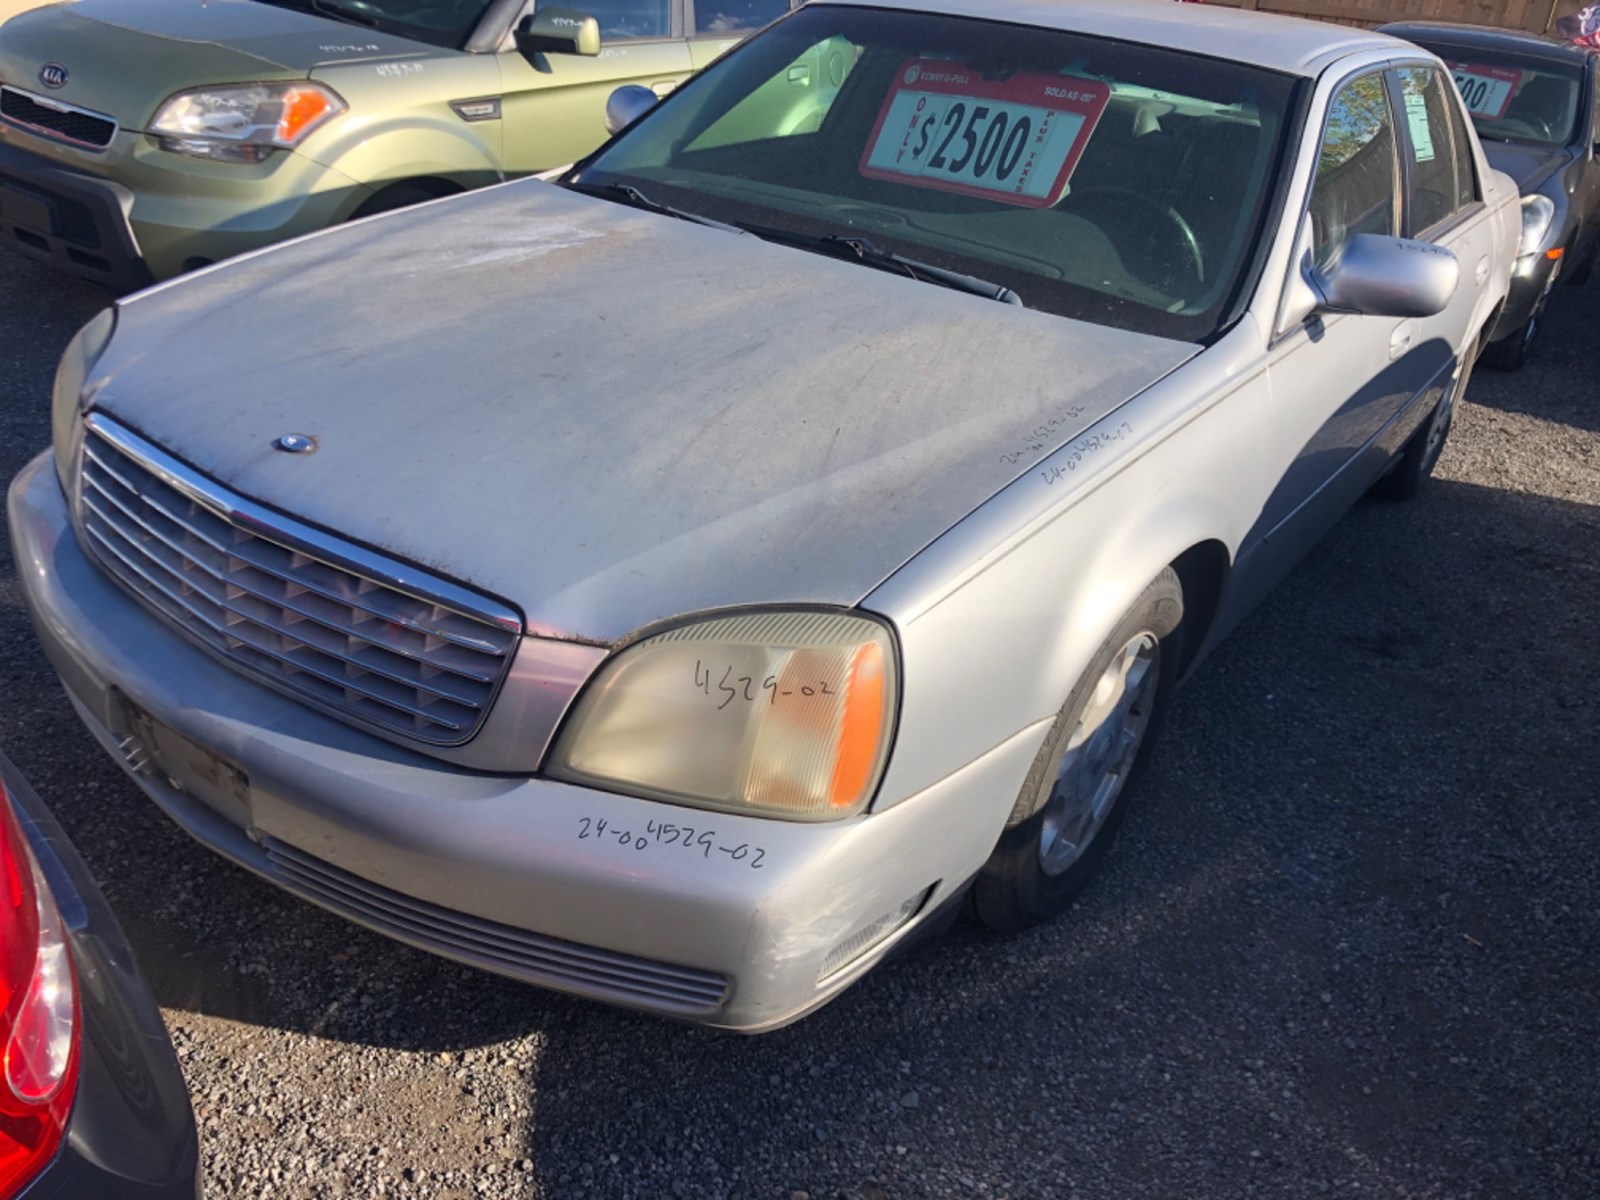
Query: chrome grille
[
  {"x": 362, "y": 635},
  {"x": 52, "y": 119},
  {"x": 504, "y": 949}
]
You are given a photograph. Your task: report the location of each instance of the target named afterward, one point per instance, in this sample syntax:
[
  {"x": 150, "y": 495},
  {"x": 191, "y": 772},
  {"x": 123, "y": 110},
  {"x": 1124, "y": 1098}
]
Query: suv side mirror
[
  {"x": 558, "y": 31},
  {"x": 626, "y": 105},
  {"x": 1378, "y": 276}
]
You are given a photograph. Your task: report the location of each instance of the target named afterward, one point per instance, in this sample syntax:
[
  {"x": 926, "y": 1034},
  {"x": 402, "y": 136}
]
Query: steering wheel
[{"x": 1179, "y": 233}]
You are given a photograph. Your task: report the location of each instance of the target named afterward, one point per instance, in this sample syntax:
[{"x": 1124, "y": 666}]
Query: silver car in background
[{"x": 680, "y": 584}]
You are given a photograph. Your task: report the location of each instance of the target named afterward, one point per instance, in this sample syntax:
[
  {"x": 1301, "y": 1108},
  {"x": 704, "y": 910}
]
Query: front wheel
[{"x": 1076, "y": 794}]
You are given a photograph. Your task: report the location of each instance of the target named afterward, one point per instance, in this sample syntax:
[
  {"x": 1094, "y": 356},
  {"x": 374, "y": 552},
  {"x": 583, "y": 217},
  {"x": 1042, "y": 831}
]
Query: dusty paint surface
[{"x": 608, "y": 416}]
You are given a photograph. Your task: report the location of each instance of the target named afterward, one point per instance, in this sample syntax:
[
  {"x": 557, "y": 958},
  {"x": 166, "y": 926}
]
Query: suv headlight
[
  {"x": 66, "y": 399},
  {"x": 1538, "y": 214},
  {"x": 243, "y": 122},
  {"x": 784, "y": 714}
]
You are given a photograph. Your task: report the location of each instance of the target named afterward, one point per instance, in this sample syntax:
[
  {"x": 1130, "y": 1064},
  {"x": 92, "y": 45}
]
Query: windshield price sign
[
  {"x": 1016, "y": 140},
  {"x": 1487, "y": 90}
]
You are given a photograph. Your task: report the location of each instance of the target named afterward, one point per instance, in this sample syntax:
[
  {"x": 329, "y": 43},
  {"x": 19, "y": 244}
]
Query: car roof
[
  {"x": 1287, "y": 44},
  {"x": 1487, "y": 37}
]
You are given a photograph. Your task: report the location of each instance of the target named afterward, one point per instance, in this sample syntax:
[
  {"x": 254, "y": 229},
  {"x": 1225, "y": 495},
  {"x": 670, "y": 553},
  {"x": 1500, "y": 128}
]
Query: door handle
[
  {"x": 665, "y": 87},
  {"x": 1483, "y": 271},
  {"x": 1400, "y": 340}
]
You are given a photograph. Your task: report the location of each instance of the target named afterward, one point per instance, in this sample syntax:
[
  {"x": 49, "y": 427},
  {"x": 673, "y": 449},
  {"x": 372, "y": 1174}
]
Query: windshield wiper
[
  {"x": 624, "y": 193},
  {"x": 860, "y": 249}
]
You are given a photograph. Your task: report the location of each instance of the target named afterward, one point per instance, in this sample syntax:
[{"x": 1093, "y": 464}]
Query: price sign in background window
[
  {"x": 1016, "y": 140},
  {"x": 1487, "y": 90}
]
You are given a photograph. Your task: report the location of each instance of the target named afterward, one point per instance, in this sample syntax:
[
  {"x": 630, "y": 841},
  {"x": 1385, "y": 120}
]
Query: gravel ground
[{"x": 1347, "y": 943}]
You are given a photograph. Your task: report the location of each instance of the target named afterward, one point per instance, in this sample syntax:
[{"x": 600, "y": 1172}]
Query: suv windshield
[
  {"x": 1100, "y": 180},
  {"x": 1512, "y": 98},
  {"x": 438, "y": 22}
]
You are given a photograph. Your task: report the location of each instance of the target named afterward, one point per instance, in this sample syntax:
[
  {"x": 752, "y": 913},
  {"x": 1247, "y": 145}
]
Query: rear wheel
[
  {"x": 1075, "y": 796},
  {"x": 1421, "y": 455}
]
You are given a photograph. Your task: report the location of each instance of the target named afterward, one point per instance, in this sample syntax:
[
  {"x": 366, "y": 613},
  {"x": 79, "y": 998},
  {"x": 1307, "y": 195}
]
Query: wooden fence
[{"x": 1536, "y": 16}]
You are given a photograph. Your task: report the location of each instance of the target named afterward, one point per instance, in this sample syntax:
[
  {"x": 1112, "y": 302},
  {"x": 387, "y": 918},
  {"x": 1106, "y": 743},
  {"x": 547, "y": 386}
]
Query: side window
[
  {"x": 721, "y": 17},
  {"x": 1357, "y": 184},
  {"x": 1435, "y": 184},
  {"x": 629, "y": 20},
  {"x": 1466, "y": 163}
]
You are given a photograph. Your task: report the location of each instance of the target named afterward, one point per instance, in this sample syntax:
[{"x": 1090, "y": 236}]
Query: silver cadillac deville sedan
[{"x": 681, "y": 583}]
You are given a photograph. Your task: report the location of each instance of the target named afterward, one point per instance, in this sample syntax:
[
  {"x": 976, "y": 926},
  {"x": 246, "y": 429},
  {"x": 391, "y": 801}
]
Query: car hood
[
  {"x": 124, "y": 57},
  {"x": 606, "y": 416},
  {"x": 1529, "y": 165}
]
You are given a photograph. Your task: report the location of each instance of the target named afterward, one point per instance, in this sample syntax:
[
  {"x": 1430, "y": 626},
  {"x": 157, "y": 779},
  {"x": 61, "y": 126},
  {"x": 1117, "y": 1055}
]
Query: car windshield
[
  {"x": 1099, "y": 180},
  {"x": 437, "y": 22},
  {"x": 1516, "y": 98}
]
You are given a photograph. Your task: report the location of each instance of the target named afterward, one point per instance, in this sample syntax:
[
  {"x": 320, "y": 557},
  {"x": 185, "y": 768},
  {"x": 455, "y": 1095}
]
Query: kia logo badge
[{"x": 53, "y": 75}]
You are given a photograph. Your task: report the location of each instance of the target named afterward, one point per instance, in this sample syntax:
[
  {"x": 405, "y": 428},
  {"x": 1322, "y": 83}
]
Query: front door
[{"x": 554, "y": 106}]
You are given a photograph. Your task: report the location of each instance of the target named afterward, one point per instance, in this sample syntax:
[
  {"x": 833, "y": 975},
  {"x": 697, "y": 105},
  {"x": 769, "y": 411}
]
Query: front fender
[
  {"x": 379, "y": 152},
  {"x": 1001, "y": 616}
]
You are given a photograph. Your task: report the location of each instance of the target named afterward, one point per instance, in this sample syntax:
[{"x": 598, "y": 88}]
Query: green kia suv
[{"x": 143, "y": 138}]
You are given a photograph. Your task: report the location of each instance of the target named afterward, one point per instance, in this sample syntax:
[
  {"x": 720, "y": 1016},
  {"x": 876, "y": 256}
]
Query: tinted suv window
[
  {"x": 736, "y": 16},
  {"x": 1356, "y": 189},
  {"x": 1435, "y": 185},
  {"x": 629, "y": 20}
]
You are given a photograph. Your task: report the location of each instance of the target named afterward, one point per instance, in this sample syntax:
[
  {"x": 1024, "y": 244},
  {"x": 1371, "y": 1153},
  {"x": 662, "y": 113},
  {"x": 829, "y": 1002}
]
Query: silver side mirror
[
  {"x": 1378, "y": 276},
  {"x": 626, "y": 105}
]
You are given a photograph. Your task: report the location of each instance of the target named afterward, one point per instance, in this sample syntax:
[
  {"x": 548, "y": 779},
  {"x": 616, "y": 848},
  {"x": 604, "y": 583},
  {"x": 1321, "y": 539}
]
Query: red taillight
[{"x": 38, "y": 1014}]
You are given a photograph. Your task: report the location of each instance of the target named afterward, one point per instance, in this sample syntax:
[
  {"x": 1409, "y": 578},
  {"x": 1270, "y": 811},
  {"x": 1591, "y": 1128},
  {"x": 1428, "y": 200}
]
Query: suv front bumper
[
  {"x": 742, "y": 923},
  {"x": 136, "y": 214},
  {"x": 71, "y": 221}
]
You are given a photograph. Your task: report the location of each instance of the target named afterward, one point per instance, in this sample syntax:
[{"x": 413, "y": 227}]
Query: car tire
[
  {"x": 399, "y": 195},
  {"x": 1417, "y": 461},
  {"x": 1077, "y": 791},
  {"x": 1510, "y": 353}
]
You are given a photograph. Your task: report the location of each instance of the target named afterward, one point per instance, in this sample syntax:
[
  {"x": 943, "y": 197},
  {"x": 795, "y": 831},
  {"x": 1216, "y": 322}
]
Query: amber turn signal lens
[{"x": 302, "y": 108}]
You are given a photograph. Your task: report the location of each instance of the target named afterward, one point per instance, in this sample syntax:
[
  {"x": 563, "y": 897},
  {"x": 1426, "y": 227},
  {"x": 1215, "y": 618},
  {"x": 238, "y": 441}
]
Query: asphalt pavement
[{"x": 1347, "y": 944}]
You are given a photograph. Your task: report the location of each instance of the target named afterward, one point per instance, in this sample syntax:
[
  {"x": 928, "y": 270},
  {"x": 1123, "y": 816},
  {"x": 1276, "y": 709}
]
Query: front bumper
[
  {"x": 1533, "y": 277},
  {"x": 135, "y": 213},
  {"x": 599, "y": 895},
  {"x": 71, "y": 221},
  {"x": 132, "y": 1132}
]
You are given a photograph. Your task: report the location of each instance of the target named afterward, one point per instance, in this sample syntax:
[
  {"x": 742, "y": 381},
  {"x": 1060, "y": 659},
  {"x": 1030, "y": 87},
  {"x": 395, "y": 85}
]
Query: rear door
[
  {"x": 554, "y": 104},
  {"x": 1444, "y": 205}
]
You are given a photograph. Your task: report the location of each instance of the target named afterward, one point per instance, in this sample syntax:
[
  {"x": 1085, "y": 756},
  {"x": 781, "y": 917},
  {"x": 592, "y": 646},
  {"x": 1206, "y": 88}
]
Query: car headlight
[
  {"x": 243, "y": 122},
  {"x": 784, "y": 714},
  {"x": 1538, "y": 214},
  {"x": 66, "y": 399}
]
